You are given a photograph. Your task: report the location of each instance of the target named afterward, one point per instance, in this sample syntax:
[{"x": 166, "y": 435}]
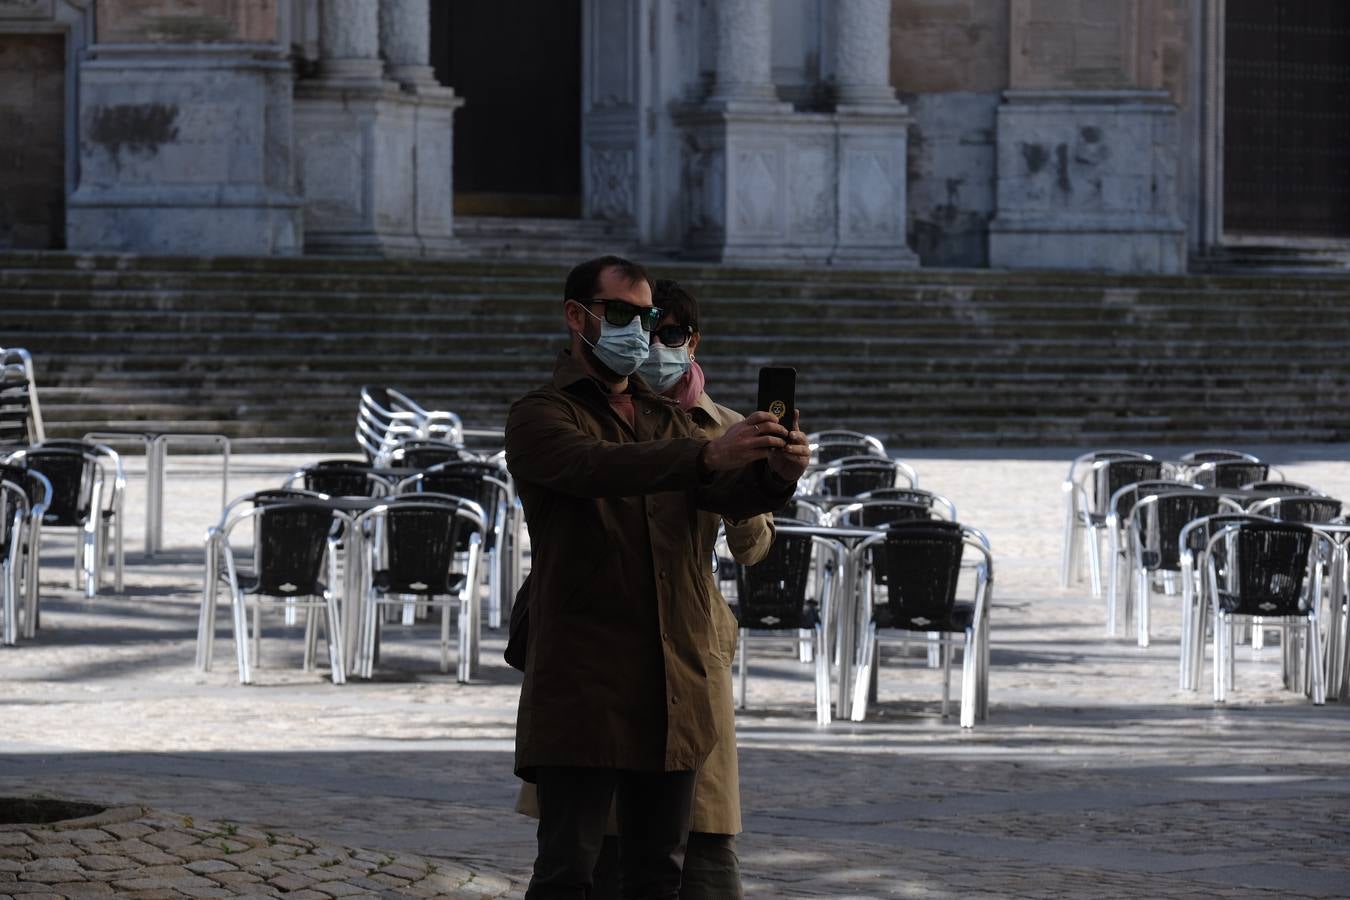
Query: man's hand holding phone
[
  {"x": 789, "y": 463},
  {"x": 756, "y": 437}
]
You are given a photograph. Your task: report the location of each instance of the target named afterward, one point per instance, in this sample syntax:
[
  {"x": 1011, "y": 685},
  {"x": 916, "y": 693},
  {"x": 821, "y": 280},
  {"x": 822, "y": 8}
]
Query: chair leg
[
  {"x": 1145, "y": 592},
  {"x": 239, "y": 611},
  {"x": 90, "y": 560},
  {"x": 1316, "y": 670},
  {"x": 337, "y": 665},
  {"x": 969, "y": 678},
  {"x": 119, "y": 553},
  {"x": 1066, "y": 553},
  {"x": 445, "y": 637},
  {"x": 863, "y": 674},
  {"x": 1094, "y": 550},
  {"x": 257, "y": 635},
  {"x": 822, "y": 657},
  {"x": 946, "y": 651},
  {"x": 8, "y": 588},
  {"x": 465, "y": 667},
  {"x": 34, "y": 582},
  {"x": 1113, "y": 580},
  {"x": 740, "y": 664}
]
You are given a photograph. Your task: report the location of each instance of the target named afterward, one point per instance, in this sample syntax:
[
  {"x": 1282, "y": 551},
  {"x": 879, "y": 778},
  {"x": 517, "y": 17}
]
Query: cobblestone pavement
[{"x": 1093, "y": 777}]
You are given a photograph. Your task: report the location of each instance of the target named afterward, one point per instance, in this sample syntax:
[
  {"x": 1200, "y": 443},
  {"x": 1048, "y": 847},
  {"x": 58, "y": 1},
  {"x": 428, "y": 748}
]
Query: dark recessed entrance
[
  {"x": 1286, "y": 130},
  {"x": 32, "y": 141},
  {"x": 517, "y": 64}
]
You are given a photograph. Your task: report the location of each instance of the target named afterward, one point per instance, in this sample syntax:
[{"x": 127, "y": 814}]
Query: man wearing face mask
[{"x": 616, "y": 704}]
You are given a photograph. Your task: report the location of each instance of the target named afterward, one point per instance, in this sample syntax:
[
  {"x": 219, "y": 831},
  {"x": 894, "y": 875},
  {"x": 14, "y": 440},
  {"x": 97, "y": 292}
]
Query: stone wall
[
  {"x": 176, "y": 21},
  {"x": 32, "y": 140},
  {"x": 949, "y": 60}
]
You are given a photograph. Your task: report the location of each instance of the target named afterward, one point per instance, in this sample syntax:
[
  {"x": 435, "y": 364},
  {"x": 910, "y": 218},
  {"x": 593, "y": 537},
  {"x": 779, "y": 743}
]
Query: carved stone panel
[
  {"x": 612, "y": 180},
  {"x": 757, "y": 191},
  {"x": 25, "y": 9}
]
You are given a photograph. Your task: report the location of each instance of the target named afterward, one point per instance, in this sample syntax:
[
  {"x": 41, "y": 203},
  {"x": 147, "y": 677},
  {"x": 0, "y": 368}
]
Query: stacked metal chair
[{"x": 386, "y": 418}]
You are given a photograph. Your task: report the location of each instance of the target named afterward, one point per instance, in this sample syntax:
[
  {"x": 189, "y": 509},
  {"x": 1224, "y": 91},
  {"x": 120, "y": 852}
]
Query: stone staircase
[{"x": 270, "y": 350}]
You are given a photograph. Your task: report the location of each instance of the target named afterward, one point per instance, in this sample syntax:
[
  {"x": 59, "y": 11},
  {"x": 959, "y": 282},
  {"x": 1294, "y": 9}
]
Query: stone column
[
  {"x": 349, "y": 41},
  {"x": 862, "y": 58},
  {"x": 744, "y": 54},
  {"x": 405, "y": 40}
]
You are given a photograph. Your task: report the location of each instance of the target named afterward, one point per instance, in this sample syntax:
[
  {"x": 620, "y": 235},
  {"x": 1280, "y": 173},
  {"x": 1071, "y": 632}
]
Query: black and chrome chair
[
  {"x": 386, "y": 418},
  {"x": 15, "y": 511},
  {"x": 1118, "y": 518},
  {"x": 423, "y": 454},
  {"x": 340, "y": 478},
  {"x": 1265, "y": 568},
  {"x": 1283, "y": 488},
  {"x": 411, "y": 546},
  {"x": 1299, "y": 508},
  {"x": 37, "y": 491},
  {"x": 777, "y": 599},
  {"x": 491, "y": 487},
  {"x": 1095, "y": 490},
  {"x": 293, "y": 565},
  {"x": 112, "y": 511},
  {"x": 1230, "y": 474},
  {"x": 20, "y": 413},
  {"x": 921, "y": 562},
  {"x": 76, "y": 477},
  {"x": 1076, "y": 512}
]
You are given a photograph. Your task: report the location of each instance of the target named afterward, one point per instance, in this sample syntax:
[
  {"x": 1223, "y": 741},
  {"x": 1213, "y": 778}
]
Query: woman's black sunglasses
[
  {"x": 673, "y": 335},
  {"x": 620, "y": 312}
]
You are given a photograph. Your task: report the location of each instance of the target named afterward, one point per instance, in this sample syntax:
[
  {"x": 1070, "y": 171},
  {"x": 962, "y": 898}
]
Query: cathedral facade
[{"x": 1118, "y": 135}]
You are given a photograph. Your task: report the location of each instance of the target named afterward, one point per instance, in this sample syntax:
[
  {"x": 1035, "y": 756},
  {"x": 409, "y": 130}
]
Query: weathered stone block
[{"x": 951, "y": 176}]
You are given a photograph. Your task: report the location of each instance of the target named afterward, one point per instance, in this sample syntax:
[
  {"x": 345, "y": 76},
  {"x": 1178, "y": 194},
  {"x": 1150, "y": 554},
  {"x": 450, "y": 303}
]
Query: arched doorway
[{"x": 517, "y": 64}]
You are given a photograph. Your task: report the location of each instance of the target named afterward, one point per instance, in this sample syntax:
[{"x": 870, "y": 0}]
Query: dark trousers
[
  {"x": 574, "y": 803},
  {"x": 712, "y": 870}
]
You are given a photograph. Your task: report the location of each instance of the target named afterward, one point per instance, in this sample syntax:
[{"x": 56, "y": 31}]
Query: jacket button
[
  {"x": 665, "y": 635},
  {"x": 663, "y": 573},
  {"x": 675, "y": 701}
]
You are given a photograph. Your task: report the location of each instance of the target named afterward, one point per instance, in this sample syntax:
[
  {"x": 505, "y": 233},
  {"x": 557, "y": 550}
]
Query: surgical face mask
[
  {"x": 665, "y": 366},
  {"x": 621, "y": 349}
]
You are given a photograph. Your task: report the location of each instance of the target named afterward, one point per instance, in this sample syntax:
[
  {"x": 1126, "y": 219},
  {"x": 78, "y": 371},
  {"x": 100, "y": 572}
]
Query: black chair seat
[
  {"x": 962, "y": 617},
  {"x": 252, "y": 585},
  {"x": 385, "y": 583},
  {"x": 1258, "y": 606}
]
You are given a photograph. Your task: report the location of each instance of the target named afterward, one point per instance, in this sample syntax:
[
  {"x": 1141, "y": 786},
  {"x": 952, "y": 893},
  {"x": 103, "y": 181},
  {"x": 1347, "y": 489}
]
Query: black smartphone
[{"x": 778, "y": 392}]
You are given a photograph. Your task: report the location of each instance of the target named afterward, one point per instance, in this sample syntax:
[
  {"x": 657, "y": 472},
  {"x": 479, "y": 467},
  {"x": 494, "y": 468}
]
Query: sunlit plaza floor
[{"x": 1094, "y": 776}]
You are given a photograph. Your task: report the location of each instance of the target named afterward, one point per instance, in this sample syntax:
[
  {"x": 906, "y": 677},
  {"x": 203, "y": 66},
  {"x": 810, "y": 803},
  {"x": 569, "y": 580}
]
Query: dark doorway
[
  {"x": 517, "y": 64},
  {"x": 32, "y": 141},
  {"x": 1286, "y": 159}
]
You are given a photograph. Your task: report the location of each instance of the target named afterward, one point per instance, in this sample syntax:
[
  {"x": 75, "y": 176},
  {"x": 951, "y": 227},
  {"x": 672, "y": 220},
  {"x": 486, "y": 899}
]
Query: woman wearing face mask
[{"x": 711, "y": 867}]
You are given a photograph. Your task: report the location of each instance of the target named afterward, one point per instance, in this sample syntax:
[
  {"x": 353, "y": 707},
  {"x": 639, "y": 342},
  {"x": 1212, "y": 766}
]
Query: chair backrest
[
  {"x": 34, "y": 484},
  {"x": 1308, "y": 510},
  {"x": 772, "y": 594},
  {"x": 482, "y": 482},
  {"x": 1159, "y": 520},
  {"x": 385, "y": 417},
  {"x": 875, "y": 513},
  {"x": 20, "y": 413},
  {"x": 419, "y": 543},
  {"x": 855, "y": 475},
  {"x": 1124, "y": 500},
  {"x": 1195, "y": 534},
  {"x": 1230, "y": 474},
  {"x": 109, "y": 459},
  {"x": 922, "y": 561},
  {"x": 835, "y": 444},
  {"x": 1267, "y": 568},
  {"x": 289, "y": 540},
  {"x": 1084, "y": 463},
  {"x": 425, "y": 454},
  {"x": 1285, "y": 488},
  {"x": 341, "y": 478},
  {"x": 73, "y": 475},
  {"x": 1217, "y": 455},
  {"x": 1110, "y": 475},
  {"x": 801, "y": 511},
  {"x": 13, "y": 509},
  {"x": 935, "y": 502}
]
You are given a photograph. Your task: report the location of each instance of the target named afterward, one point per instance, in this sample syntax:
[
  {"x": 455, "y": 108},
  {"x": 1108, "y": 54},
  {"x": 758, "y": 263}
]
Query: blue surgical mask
[
  {"x": 665, "y": 367},
  {"x": 620, "y": 349}
]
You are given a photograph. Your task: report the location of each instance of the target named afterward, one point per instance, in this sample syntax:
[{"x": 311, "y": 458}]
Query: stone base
[
  {"x": 188, "y": 223},
  {"x": 1062, "y": 243},
  {"x": 185, "y": 152},
  {"x": 778, "y": 187},
  {"x": 375, "y": 168},
  {"x": 1087, "y": 180}
]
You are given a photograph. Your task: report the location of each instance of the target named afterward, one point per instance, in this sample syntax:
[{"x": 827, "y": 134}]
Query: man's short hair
[
  {"x": 584, "y": 280},
  {"x": 676, "y": 302}
]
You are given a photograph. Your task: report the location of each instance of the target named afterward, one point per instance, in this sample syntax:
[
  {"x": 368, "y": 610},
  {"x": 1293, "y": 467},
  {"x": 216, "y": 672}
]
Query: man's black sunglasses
[
  {"x": 620, "y": 312},
  {"x": 673, "y": 335}
]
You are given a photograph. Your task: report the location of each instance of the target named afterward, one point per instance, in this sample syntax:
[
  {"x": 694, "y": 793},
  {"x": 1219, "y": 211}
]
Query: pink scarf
[{"x": 689, "y": 388}]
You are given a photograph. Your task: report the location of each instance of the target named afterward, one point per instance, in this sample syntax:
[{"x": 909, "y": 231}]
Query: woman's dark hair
[
  {"x": 676, "y": 302},
  {"x": 584, "y": 279}
]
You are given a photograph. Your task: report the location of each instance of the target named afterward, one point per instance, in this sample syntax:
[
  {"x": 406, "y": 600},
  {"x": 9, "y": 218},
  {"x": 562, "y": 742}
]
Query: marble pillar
[
  {"x": 375, "y": 153},
  {"x": 744, "y": 55},
  {"x": 862, "y": 53}
]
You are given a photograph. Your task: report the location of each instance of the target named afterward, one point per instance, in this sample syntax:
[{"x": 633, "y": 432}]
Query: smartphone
[{"x": 778, "y": 392}]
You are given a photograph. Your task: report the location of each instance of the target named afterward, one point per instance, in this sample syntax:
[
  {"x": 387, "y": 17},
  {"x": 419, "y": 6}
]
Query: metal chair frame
[
  {"x": 16, "y": 361},
  {"x": 864, "y": 444},
  {"x": 14, "y": 512},
  {"x": 89, "y": 502},
  {"x": 826, "y": 561},
  {"x": 1274, "y": 507},
  {"x": 248, "y": 650},
  {"x": 974, "y": 640},
  {"x": 848, "y": 465},
  {"x": 113, "y": 514},
  {"x": 380, "y": 427},
  {"x": 1077, "y": 517},
  {"x": 373, "y": 523},
  {"x": 38, "y": 494},
  {"x": 1308, "y": 621},
  {"x": 936, "y": 502}
]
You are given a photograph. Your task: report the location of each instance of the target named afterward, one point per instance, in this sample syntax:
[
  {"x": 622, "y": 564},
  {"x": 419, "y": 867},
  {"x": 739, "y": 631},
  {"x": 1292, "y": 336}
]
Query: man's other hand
[
  {"x": 789, "y": 463},
  {"x": 758, "y": 436}
]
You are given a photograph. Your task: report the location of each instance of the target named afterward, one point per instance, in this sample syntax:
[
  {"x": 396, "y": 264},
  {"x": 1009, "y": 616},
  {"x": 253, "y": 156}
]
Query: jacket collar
[
  {"x": 704, "y": 411},
  {"x": 570, "y": 376}
]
